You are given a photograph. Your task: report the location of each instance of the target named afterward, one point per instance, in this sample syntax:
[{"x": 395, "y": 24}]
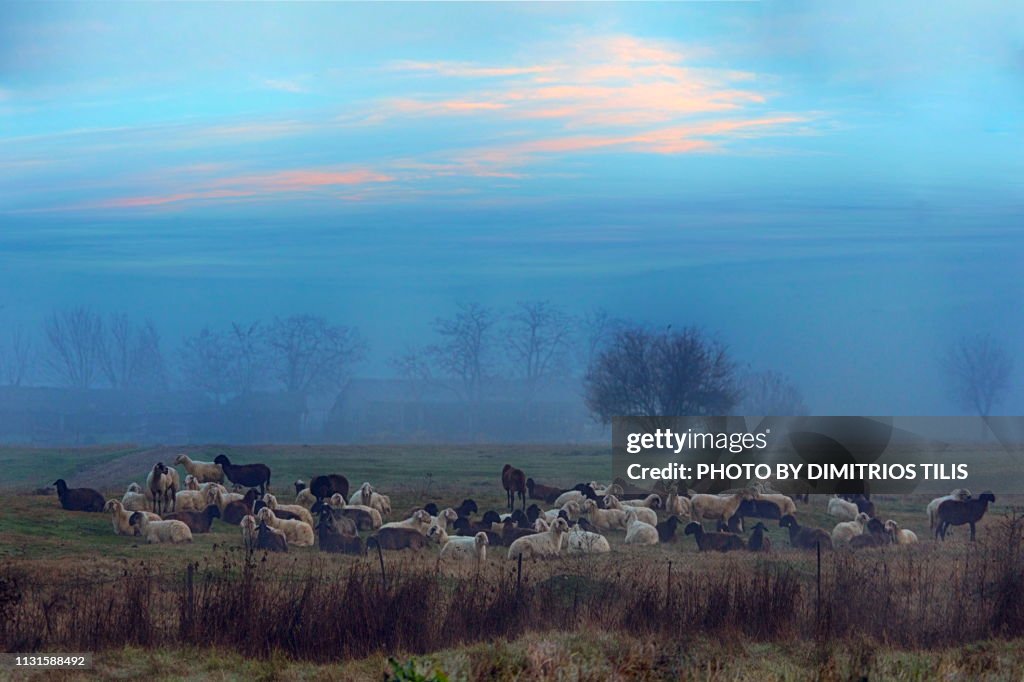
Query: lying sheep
[
  {"x": 334, "y": 537},
  {"x": 271, "y": 539},
  {"x": 249, "y": 532},
  {"x": 397, "y": 538},
  {"x": 191, "y": 483},
  {"x": 446, "y": 517},
  {"x": 296, "y": 510},
  {"x": 234, "y": 512},
  {"x": 540, "y": 545},
  {"x": 785, "y": 504},
  {"x": 79, "y": 499},
  {"x": 299, "y": 533},
  {"x": 604, "y": 519},
  {"x": 639, "y": 532},
  {"x": 197, "y": 522},
  {"x": 900, "y": 536},
  {"x": 546, "y": 493},
  {"x": 203, "y": 472},
  {"x": 677, "y": 505},
  {"x": 460, "y": 548},
  {"x": 366, "y": 496},
  {"x": 644, "y": 514},
  {"x": 419, "y": 522},
  {"x": 303, "y": 495},
  {"x": 842, "y": 509},
  {"x": 804, "y": 537},
  {"x": 718, "y": 542},
  {"x": 874, "y": 535},
  {"x": 190, "y": 500},
  {"x": 160, "y": 531},
  {"x": 121, "y": 518},
  {"x": 571, "y": 508},
  {"x": 133, "y": 499},
  {"x": 667, "y": 529},
  {"x": 758, "y": 541},
  {"x": 582, "y": 541},
  {"x": 847, "y": 530},
  {"x": 933, "y": 506}
]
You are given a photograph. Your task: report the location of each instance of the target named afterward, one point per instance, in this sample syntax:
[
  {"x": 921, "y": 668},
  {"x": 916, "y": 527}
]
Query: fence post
[
  {"x": 519, "y": 573},
  {"x": 383, "y": 577}
]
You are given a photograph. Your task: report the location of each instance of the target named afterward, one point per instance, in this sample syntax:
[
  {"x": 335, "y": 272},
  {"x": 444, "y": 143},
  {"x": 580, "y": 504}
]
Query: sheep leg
[{"x": 972, "y": 531}]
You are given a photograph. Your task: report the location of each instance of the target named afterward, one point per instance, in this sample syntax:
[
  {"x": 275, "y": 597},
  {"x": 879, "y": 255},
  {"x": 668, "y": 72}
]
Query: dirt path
[{"x": 116, "y": 473}]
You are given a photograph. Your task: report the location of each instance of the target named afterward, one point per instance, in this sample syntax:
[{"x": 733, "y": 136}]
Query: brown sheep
[
  {"x": 959, "y": 512},
  {"x": 79, "y": 499},
  {"x": 398, "y": 538},
  {"x": 514, "y": 482},
  {"x": 197, "y": 522}
]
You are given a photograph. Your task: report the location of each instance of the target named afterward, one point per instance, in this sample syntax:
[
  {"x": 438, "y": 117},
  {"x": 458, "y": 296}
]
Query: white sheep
[
  {"x": 204, "y": 472},
  {"x": 297, "y": 509},
  {"x": 219, "y": 495},
  {"x": 250, "y": 532},
  {"x": 644, "y": 514},
  {"x": 460, "y": 548},
  {"x": 134, "y": 500},
  {"x": 540, "y": 544},
  {"x": 420, "y": 521},
  {"x": 307, "y": 499},
  {"x": 161, "y": 531},
  {"x": 933, "y": 506},
  {"x": 571, "y": 509},
  {"x": 368, "y": 497},
  {"x": 162, "y": 484},
  {"x": 569, "y": 495},
  {"x": 604, "y": 519},
  {"x": 191, "y": 483},
  {"x": 190, "y": 500},
  {"x": 580, "y": 541},
  {"x": 652, "y": 501},
  {"x": 602, "y": 490},
  {"x": 298, "y": 533},
  {"x": 842, "y": 509},
  {"x": 639, "y": 532},
  {"x": 717, "y": 507},
  {"x": 678, "y": 505},
  {"x": 847, "y": 530},
  {"x": 901, "y": 536},
  {"x": 444, "y": 518},
  {"x": 121, "y": 518}
]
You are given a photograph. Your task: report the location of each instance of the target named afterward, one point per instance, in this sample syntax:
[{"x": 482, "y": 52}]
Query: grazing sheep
[
  {"x": 270, "y": 538},
  {"x": 162, "y": 488},
  {"x": 645, "y": 514},
  {"x": 960, "y": 512},
  {"x": 542, "y": 492},
  {"x": 874, "y": 535},
  {"x": 604, "y": 519},
  {"x": 539, "y": 545},
  {"x": 234, "y": 512},
  {"x": 715, "y": 507},
  {"x": 933, "y": 506},
  {"x": 583, "y": 541},
  {"x": 638, "y": 532},
  {"x": 397, "y": 538},
  {"x": 667, "y": 529},
  {"x": 197, "y": 522},
  {"x": 900, "y": 536},
  {"x": 249, "y": 475},
  {"x": 203, "y": 472},
  {"x": 419, "y": 522},
  {"x": 160, "y": 531},
  {"x": 804, "y": 537},
  {"x": 758, "y": 541},
  {"x": 327, "y": 485},
  {"x": 79, "y": 499},
  {"x": 249, "y": 532},
  {"x": 299, "y": 533},
  {"x": 847, "y": 530},
  {"x": 332, "y": 535},
  {"x": 842, "y": 509},
  {"x": 134, "y": 499},
  {"x": 514, "y": 482},
  {"x": 718, "y": 542},
  {"x": 296, "y": 510},
  {"x": 121, "y": 518}
]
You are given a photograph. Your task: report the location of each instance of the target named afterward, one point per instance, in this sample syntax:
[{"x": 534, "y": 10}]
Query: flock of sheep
[{"x": 575, "y": 521}]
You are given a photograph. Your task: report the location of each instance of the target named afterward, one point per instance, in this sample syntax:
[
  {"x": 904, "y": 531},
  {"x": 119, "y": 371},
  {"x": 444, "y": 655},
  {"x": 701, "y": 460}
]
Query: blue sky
[{"x": 836, "y": 190}]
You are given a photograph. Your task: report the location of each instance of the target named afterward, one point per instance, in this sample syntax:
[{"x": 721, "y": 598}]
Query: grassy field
[{"x": 42, "y": 545}]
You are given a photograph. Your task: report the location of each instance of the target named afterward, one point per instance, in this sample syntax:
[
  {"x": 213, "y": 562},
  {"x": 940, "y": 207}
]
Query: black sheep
[
  {"x": 520, "y": 519},
  {"x": 466, "y": 509},
  {"x": 667, "y": 529},
  {"x": 323, "y": 487},
  {"x": 542, "y": 492},
  {"x": 197, "y": 522},
  {"x": 271, "y": 540},
  {"x": 719, "y": 542},
  {"x": 758, "y": 542},
  {"x": 805, "y": 537},
  {"x": 511, "y": 532},
  {"x": 79, "y": 499},
  {"x": 250, "y": 475},
  {"x": 235, "y": 511},
  {"x": 533, "y": 512},
  {"x": 332, "y": 537},
  {"x": 959, "y": 512},
  {"x": 874, "y": 535}
]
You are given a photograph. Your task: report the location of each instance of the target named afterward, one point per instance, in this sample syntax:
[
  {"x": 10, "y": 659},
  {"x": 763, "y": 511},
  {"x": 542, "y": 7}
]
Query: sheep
[
  {"x": 299, "y": 533},
  {"x": 652, "y": 501},
  {"x": 161, "y": 487},
  {"x": 203, "y": 472},
  {"x": 604, "y": 519},
  {"x": 79, "y": 499},
  {"x": 190, "y": 500},
  {"x": 874, "y": 535},
  {"x": 758, "y": 542},
  {"x": 160, "y": 531},
  {"x": 270, "y": 538},
  {"x": 842, "y": 509},
  {"x": 218, "y": 495},
  {"x": 466, "y": 509},
  {"x": 510, "y": 532},
  {"x": 540, "y": 545},
  {"x": 365, "y": 518},
  {"x": 571, "y": 509},
  {"x": 397, "y": 538},
  {"x": 645, "y": 514},
  {"x": 234, "y": 512},
  {"x": 569, "y": 495},
  {"x": 613, "y": 489},
  {"x": 419, "y": 522},
  {"x": 933, "y": 506},
  {"x": 514, "y": 482},
  {"x": 296, "y": 510},
  {"x": 804, "y": 537},
  {"x": 863, "y": 502},
  {"x": 959, "y": 512},
  {"x": 638, "y": 532},
  {"x": 667, "y": 529},
  {"x": 133, "y": 499},
  {"x": 542, "y": 492},
  {"x": 457, "y": 548},
  {"x": 249, "y": 532},
  {"x": 678, "y": 505},
  {"x": 446, "y": 517},
  {"x": 249, "y": 475},
  {"x": 332, "y": 535},
  {"x": 582, "y": 541},
  {"x": 719, "y": 542},
  {"x": 191, "y": 483},
  {"x": 785, "y": 504},
  {"x": 121, "y": 518},
  {"x": 343, "y": 522},
  {"x": 303, "y": 495},
  {"x": 327, "y": 485},
  {"x": 712, "y": 507},
  {"x": 900, "y": 536},
  {"x": 847, "y": 530},
  {"x": 368, "y": 497},
  {"x": 197, "y": 522}
]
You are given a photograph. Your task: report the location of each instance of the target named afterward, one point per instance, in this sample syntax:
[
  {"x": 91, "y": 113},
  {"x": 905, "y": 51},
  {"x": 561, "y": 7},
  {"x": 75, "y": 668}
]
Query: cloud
[{"x": 294, "y": 86}]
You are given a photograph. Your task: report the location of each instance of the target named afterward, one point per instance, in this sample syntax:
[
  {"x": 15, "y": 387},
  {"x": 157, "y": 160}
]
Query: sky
[{"x": 833, "y": 189}]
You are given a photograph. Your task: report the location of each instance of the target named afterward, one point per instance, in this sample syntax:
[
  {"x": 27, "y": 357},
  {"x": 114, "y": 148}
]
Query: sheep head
[
  {"x": 481, "y": 539},
  {"x": 559, "y": 526},
  {"x": 180, "y": 460},
  {"x": 112, "y": 505},
  {"x": 337, "y": 500}
]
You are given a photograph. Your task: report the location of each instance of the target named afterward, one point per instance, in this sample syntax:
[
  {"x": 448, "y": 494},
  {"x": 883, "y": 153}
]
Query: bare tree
[
  {"x": 978, "y": 369},
  {"x": 537, "y": 341},
  {"x": 413, "y": 365},
  {"x": 75, "y": 352},
  {"x": 16, "y": 357},
  {"x": 131, "y": 356},
  {"x": 465, "y": 349},
  {"x": 311, "y": 356},
  {"x": 770, "y": 393},
  {"x": 596, "y": 329},
  {"x": 205, "y": 363},
  {"x": 661, "y": 374},
  {"x": 247, "y": 353}
]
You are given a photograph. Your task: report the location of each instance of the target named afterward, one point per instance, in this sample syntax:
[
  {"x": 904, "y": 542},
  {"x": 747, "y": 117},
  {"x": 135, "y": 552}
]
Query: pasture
[{"x": 889, "y": 611}]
